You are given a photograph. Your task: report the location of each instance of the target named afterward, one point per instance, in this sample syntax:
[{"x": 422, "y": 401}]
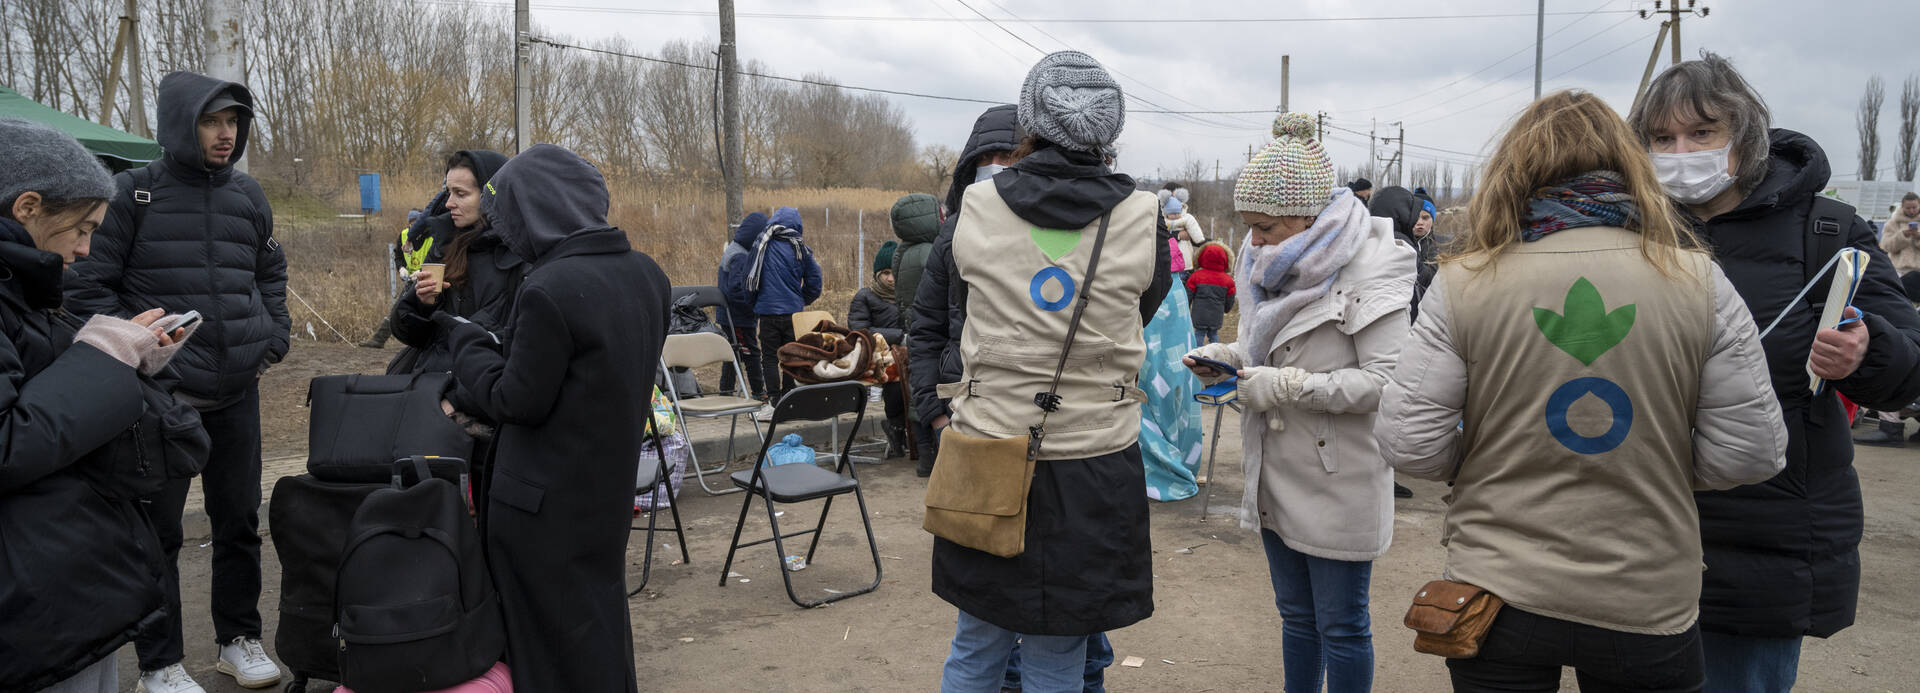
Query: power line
[
  {"x": 796, "y": 80},
  {"x": 1510, "y": 75},
  {"x": 1563, "y": 73},
  {"x": 1491, "y": 65},
  {"x": 996, "y": 25},
  {"x": 1048, "y": 20}
]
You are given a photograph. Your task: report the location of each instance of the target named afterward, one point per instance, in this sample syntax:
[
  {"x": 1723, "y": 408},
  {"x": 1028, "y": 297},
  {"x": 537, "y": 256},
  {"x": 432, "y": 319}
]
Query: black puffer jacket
[
  {"x": 940, "y": 302},
  {"x": 1783, "y": 556},
  {"x": 868, "y": 311},
  {"x": 1402, "y": 207},
  {"x": 79, "y": 574},
  {"x": 206, "y": 244}
]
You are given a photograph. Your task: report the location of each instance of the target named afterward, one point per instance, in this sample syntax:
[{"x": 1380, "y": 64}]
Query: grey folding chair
[
  {"x": 695, "y": 351},
  {"x": 799, "y": 483}
]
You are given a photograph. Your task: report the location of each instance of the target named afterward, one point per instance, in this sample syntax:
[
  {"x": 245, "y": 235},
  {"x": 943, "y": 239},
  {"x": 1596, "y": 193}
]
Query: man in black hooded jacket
[{"x": 190, "y": 233}]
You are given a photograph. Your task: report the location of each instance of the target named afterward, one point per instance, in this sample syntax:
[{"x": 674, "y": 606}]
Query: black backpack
[{"x": 415, "y": 606}]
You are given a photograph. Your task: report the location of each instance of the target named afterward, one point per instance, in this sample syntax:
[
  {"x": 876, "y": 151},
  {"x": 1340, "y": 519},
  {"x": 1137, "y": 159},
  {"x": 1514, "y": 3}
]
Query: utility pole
[
  {"x": 1286, "y": 68},
  {"x": 1373, "y": 136},
  {"x": 733, "y": 172},
  {"x": 136, "y": 79},
  {"x": 522, "y": 82},
  {"x": 113, "y": 74},
  {"x": 1539, "y": 46},
  {"x": 226, "y": 56},
  {"x": 1672, "y": 25},
  {"x": 1400, "y": 158},
  {"x": 1320, "y": 126}
]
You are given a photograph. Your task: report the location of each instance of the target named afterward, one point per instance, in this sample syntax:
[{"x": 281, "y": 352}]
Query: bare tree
[
  {"x": 1867, "y": 121},
  {"x": 1909, "y": 160}
]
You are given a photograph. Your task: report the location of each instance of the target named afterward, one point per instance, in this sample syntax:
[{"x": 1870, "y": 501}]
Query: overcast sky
[{"x": 1454, "y": 81}]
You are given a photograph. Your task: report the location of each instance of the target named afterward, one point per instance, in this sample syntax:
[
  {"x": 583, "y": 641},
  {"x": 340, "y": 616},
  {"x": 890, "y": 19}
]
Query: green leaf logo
[
  {"x": 1055, "y": 242},
  {"x": 1587, "y": 330}
]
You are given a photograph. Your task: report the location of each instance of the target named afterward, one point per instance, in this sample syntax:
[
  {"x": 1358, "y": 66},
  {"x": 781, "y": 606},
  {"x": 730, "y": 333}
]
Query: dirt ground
[{"x": 1214, "y": 626}]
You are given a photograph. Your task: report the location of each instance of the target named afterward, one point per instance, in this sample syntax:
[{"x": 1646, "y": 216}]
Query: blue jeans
[
  {"x": 1203, "y": 336},
  {"x": 1750, "y": 665},
  {"x": 1099, "y": 657},
  {"x": 978, "y": 660},
  {"x": 1324, "y": 625}
]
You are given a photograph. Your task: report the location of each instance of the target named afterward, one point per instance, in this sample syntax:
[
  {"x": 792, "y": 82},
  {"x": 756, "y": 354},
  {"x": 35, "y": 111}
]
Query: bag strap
[
  {"x": 142, "y": 180},
  {"x": 1049, "y": 401},
  {"x": 1827, "y": 222}
]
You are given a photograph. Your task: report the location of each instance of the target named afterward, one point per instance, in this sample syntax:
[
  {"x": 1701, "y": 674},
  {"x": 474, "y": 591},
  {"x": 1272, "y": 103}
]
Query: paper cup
[{"x": 434, "y": 270}]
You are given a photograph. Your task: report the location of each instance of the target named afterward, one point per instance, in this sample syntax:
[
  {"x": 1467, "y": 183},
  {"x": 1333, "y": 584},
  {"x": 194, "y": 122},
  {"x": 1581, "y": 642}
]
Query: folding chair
[
  {"x": 694, "y": 351},
  {"x": 797, "y": 483},
  {"x": 1220, "y": 396},
  {"x": 657, "y": 479}
]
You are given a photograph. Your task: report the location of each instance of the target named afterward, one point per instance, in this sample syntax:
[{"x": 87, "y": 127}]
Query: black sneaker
[
  {"x": 1891, "y": 434},
  {"x": 1401, "y": 491}
]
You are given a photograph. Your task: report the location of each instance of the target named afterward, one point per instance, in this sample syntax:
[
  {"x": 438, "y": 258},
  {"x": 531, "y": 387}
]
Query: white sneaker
[
  {"x": 245, "y": 659},
  {"x": 765, "y": 414},
  {"x": 173, "y": 679}
]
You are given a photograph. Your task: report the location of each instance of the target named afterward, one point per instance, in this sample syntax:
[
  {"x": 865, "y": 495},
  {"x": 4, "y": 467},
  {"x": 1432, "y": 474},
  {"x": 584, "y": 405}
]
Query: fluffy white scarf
[{"x": 1279, "y": 280}]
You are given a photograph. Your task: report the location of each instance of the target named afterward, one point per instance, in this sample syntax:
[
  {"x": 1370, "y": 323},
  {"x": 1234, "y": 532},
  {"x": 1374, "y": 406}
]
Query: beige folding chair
[{"x": 699, "y": 350}]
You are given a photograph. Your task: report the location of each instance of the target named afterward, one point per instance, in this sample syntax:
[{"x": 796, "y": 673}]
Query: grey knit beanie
[
  {"x": 1071, "y": 101},
  {"x": 37, "y": 158}
]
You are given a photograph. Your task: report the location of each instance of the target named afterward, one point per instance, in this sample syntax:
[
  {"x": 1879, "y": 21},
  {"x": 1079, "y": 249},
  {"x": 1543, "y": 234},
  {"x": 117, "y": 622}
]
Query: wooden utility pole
[
  {"x": 731, "y": 160},
  {"x": 1672, "y": 25},
  {"x": 522, "y": 81},
  {"x": 136, "y": 75},
  {"x": 113, "y": 74},
  {"x": 1286, "y": 70},
  {"x": 226, "y": 53}
]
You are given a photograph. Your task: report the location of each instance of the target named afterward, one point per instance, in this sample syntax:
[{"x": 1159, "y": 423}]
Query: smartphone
[
  {"x": 1913, "y": 226},
  {"x": 168, "y": 324},
  {"x": 1216, "y": 365}
]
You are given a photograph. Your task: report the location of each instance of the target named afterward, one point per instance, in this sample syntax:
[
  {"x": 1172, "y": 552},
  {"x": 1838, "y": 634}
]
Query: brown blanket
[{"x": 831, "y": 353}]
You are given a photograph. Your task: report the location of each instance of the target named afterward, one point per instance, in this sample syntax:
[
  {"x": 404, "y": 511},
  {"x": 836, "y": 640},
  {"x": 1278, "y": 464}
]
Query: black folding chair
[
  {"x": 657, "y": 479},
  {"x": 796, "y": 483}
]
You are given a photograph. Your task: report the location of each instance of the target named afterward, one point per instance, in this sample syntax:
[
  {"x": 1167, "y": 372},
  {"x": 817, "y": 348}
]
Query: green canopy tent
[{"x": 117, "y": 149}]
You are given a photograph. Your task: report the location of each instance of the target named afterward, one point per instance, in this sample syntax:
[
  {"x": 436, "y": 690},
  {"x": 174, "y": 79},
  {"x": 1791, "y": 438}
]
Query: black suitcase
[{"x": 308, "y": 520}]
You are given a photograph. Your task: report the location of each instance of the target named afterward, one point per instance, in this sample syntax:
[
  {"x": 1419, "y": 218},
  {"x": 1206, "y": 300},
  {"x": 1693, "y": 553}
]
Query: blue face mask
[{"x": 987, "y": 171}]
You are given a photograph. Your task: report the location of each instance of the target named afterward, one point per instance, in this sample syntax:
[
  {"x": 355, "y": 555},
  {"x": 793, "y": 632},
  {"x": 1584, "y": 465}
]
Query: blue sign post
[{"x": 369, "y": 193}]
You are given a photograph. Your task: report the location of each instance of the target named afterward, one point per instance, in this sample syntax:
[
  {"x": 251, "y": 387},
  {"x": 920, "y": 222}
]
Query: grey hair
[{"x": 1710, "y": 89}]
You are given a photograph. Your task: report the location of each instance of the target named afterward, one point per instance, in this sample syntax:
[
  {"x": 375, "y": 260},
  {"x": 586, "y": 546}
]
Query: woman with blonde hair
[{"x": 1603, "y": 368}]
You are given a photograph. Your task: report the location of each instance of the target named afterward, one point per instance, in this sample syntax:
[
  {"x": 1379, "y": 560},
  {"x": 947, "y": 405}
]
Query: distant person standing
[
  {"x": 1362, "y": 188},
  {"x": 743, "y": 326},
  {"x": 784, "y": 278},
  {"x": 1186, "y": 230},
  {"x": 1212, "y": 289},
  {"x": 191, "y": 233},
  {"x": 1900, "y": 237},
  {"x": 916, "y": 222}
]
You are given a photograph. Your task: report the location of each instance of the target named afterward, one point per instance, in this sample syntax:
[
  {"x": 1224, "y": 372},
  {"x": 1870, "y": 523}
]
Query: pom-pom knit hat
[
  {"x": 1291, "y": 176},
  {"x": 1173, "y": 206}
]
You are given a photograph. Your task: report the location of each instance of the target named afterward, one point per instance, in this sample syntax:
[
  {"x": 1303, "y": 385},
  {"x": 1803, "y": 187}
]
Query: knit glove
[
  {"x": 126, "y": 341},
  {"x": 158, "y": 357},
  {"x": 1268, "y": 389},
  {"x": 1224, "y": 353}
]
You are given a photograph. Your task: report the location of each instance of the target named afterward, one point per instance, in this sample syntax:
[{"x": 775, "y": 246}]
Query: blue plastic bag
[{"x": 788, "y": 451}]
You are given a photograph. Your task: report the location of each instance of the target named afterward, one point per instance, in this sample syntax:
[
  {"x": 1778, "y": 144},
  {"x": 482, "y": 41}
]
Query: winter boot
[
  {"x": 1891, "y": 435},
  {"x": 896, "y": 440}
]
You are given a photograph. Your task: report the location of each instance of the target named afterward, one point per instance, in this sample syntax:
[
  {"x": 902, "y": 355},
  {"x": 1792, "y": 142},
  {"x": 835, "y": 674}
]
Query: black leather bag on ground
[
  {"x": 415, "y": 604},
  {"x": 360, "y": 424}
]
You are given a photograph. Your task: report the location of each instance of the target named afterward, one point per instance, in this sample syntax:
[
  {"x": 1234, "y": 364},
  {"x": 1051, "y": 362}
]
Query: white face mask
[
  {"x": 987, "y": 171},
  {"x": 1695, "y": 177}
]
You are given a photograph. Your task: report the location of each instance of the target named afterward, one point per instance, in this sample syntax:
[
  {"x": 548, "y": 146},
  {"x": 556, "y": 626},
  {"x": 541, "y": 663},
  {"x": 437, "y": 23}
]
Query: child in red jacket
[{"x": 1210, "y": 291}]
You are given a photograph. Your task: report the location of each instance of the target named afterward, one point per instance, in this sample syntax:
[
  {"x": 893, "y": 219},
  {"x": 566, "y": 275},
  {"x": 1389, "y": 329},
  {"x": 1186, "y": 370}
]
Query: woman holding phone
[
  {"x": 82, "y": 568},
  {"x": 1323, "y": 289}
]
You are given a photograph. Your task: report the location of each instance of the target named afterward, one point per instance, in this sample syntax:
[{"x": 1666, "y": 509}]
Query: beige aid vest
[{"x": 1022, "y": 282}]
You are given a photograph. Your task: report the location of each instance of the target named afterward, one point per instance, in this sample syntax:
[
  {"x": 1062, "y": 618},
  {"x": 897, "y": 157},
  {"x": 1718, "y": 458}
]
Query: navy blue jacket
[
  {"x": 787, "y": 284},
  {"x": 735, "y": 261}
]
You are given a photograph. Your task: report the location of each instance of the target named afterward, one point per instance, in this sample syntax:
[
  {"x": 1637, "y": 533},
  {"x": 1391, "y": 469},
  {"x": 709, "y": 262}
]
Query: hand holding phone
[
  {"x": 1220, "y": 367},
  {"x": 181, "y": 321}
]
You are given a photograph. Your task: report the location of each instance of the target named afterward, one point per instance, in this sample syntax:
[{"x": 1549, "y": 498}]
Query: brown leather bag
[
  {"x": 977, "y": 496},
  {"x": 1451, "y": 619}
]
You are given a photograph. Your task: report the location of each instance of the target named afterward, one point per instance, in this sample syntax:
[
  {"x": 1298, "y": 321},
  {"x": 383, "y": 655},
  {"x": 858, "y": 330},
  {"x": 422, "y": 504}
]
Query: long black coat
[
  {"x": 206, "y": 244},
  {"x": 868, "y": 311},
  {"x": 569, "y": 382},
  {"x": 1088, "y": 563},
  {"x": 1783, "y": 556},
  {"x": 79, "y": 574}
]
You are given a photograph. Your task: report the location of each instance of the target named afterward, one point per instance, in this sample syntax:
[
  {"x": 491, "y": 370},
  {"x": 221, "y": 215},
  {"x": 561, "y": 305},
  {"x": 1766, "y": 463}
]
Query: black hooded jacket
[
  {"x": 996, "y": 130},
  {"x": 567, "y": 379},
  {"x": 79, "y": 574},
  {"x": 1783, "y": 556},
  {"x": 1051, "y": 188},
  {"x": 1402, "y": 206},
  {"x": 204, "y": 243},
  {"x": 493, "y": 273}
]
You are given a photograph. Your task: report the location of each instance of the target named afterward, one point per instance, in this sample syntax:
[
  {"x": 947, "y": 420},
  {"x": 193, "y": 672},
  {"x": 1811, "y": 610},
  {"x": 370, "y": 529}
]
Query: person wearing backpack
[
  {"x": 189, "y": 232},
  {"x": 783, "y": 278},
  {"x": 1783, "y": 555},
  {"x": 568, "y": 379},
  {"x": 81, "y": 561}
]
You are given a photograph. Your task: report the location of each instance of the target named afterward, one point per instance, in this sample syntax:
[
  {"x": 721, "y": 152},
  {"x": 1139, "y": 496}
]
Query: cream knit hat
[{"x": 1292, "y": 176}]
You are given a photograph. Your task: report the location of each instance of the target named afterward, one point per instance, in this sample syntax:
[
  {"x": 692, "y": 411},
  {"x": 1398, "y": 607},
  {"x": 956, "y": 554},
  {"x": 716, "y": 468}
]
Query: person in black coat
[
  {"x": 569, "y": 379},
  {"x": 81, "y": 564},
  {"x": 1404, "y": 208},
  {"x": 1782, "y": 556},
  {"x": 480, "y": 273},
  {"x": 873, "y": 309},
  {"x": 201, "y": 239}
]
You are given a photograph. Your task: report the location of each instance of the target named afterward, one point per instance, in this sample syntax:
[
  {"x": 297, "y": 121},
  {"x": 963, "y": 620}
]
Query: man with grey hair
[{"x": 1782, "y": 556}]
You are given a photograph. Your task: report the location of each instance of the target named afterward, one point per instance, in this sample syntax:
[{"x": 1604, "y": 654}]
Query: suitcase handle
[{"x": 420, "y": 471}]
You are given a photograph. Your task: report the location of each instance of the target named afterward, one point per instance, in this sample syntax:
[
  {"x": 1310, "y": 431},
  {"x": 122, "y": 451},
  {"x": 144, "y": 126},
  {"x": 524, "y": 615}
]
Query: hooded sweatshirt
[
  {"x": 436, "y": 227},
  {"x": 1402, "y": 206},
  {"x": 787, "y": 283},
  {"x": 735, "y": 261},
  {"x": 204, "y": 243}
]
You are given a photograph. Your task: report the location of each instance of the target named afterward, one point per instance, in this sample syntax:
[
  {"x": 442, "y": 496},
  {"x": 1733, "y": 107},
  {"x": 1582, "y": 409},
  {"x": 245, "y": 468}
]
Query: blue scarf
[{"x": 1595, "y": 198}]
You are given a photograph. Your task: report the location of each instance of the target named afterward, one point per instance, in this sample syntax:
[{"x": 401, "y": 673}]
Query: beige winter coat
[
  {"x": 1319, "y": 483},
  {"x": 1904, "y": 251}
]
